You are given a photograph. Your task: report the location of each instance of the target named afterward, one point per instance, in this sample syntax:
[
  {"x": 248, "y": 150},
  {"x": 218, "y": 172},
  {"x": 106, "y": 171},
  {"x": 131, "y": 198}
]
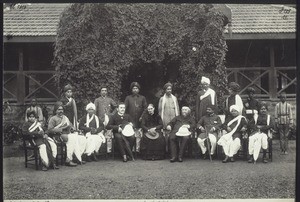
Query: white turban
[
  {"x": 90, "y": 106},
  {"x": 235, "y": 107},
  {"x": 205, "y": 80}
]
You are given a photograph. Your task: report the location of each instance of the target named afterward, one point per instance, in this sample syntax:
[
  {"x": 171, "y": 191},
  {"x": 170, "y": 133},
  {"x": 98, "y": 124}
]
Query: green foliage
[{"x": 97, "y": 44}]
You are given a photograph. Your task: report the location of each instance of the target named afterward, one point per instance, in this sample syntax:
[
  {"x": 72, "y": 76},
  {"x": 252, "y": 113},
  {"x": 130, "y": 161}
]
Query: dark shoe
[
  {"x": 71, "y": 164},
  {"x": 225, "y": 160},
  {"x": 44, "y": 168},
  {"x": 204, "y": 156},
  {"x": 88, "y": 159},
  {"x": 94, "y": 157},
  {"x": 124, "y": 158},
  {"x": 265, "y": 160},
  {"x": 55, "y": 166},
  {"x": 232, "y": 159},
  {"x": 251, "y": 159},
  {"x": 172, "y": 160},
  {"x": 180, "y": 159}
]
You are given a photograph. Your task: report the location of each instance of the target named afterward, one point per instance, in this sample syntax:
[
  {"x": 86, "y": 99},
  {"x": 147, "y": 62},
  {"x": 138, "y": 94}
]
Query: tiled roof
[
  {"x": 42, "y": 19},
  {"x": 262, "y": 18},
  {"x": 34, "y": 20}
]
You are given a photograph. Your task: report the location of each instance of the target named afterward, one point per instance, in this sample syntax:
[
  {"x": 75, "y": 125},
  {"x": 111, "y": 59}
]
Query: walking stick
[{"x": 208, "y": 144}]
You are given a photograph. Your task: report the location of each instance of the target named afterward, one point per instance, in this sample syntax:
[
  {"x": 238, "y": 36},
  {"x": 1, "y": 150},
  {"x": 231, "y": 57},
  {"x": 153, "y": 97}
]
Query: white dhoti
[
  {"x": 213, "y": 141},
  {"x": 94, "y": 142},
  {"x": 230, "y": 146},
  {"x": 43, "y": 151},
  {"x": 108, "y": 136},
  {"x": 82, "y": 143},
  {"x": 73, "y": 146},
  {"x": 256, "y": 142}
]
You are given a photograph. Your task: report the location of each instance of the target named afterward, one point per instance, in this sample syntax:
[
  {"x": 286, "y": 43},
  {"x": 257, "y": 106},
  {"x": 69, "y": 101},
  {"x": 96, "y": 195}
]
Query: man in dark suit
[
  {"x": 181, "y": 127},
  {"x": 117, "y": 123}
]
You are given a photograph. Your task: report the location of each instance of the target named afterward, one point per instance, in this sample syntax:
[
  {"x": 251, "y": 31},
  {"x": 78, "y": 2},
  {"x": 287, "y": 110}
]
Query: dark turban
[
  {"x": 167, "y": 85},
  {"x": 234, "y": 86},
  {"x": 135, "y": 84},
  {"x": 56, "y": 106},
  {"x": 250, "y": 90},
  {"x": 68, "y": 87}
]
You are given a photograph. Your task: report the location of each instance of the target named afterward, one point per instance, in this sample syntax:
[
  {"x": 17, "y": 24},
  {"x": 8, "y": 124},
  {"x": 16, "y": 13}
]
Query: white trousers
[
  {"x": 94, "y": 142},
  {"x": 75, "y": 145},
  {"x": 43, "y": 151},
  {"x": 213, "y": 141},
  {"x": 231, "y": 147},
  {"x": 256, "y": 142}
]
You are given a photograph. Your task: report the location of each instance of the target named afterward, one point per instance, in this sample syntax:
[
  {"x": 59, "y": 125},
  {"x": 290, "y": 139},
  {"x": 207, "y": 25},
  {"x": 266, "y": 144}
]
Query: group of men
[{"x": 127, "y": 122}]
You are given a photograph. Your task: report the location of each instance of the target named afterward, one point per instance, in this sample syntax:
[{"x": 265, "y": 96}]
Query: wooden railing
[
  {"x": 16, "y": 85},
  {"x": 265, "y": 80},
  {"x": 257, "y": 77}
]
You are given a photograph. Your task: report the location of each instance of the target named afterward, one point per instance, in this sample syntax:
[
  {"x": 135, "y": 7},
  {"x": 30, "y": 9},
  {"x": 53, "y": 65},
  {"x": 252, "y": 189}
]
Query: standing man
[
  {"x": 251, "y": 105},
  {"x": 283, "y": 121},
  {"x": 181, "y": 127},
  {"x": 136, "y": 105},
  {"x": 105, "y": 108},
  {"x": 205, "y": 97},
  {"x": 234, "y": 98},
  {"x": 38, "y": 111},
  {"x": 104, "y": 105},
  {"x": 168, "y": 105},
  {"x": 69, "y": 104}
]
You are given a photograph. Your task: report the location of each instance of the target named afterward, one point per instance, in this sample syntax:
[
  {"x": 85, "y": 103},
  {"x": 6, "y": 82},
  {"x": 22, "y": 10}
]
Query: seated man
[
  {"x": 153, "y": 143},
  {"x": 93, "y": 129},
  {"x": 46, "y": 145},
  {"x": 181, "y": 127},
  {"x": 60, "y": 125},
  {"x": 234, "y": 125},
  {"x": 209, "y": 126},
  {"x": 119, "y": 122},
  {"x": 260, "y": 132}
]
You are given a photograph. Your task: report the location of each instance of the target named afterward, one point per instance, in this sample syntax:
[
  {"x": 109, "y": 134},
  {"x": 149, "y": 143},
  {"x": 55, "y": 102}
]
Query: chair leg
[
  {"x": 36, "y": 158},
  {"x": 26, "y": 157},
  {"x": 270, "y": 151}
]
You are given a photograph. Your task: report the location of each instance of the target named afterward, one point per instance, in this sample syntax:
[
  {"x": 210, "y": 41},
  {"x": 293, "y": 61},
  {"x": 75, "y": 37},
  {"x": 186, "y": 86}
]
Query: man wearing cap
[
  {"x": 283, "y": 121},
  {"x": 260, "y": 127},
  {"x": 234, "y": 125},
  {"x": 69, "y": 104},
  {"x": 168, "y": 105},
  {"x": 105, "y": 108},
  {"x": 93, "y": 130},
  {"x": 234, "y": 98},
  {"x": 181, "y": 128},
  {"x": 208, "y": 126},
  {"x": 117, "y": 124},
  {"x": 60, "y": 125},
  {"x": 251, "y": 105},
  {"x": 205, "y": 97},
  {"x": 136, "y": 105}
]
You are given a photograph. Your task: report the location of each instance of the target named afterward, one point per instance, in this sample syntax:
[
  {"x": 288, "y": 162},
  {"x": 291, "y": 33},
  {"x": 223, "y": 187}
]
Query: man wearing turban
[
  {"x": 251, "y": 105},
  {"x": 69, "y": 104},
  {"x": 234, "y": 126},
  {"x": 234, "y": 98},
  {"x": 136, "y": 105},
  {"x": 206, "y": 97},
  {"x": 59, "y": 125},
  {"x": 93, "y": 129},
  {"x": 260, "y": 128},
  {"x": 168, "y": 105}
]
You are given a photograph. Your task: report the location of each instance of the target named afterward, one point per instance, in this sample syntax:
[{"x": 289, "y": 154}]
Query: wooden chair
[{"x": 30, "y": 145}]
